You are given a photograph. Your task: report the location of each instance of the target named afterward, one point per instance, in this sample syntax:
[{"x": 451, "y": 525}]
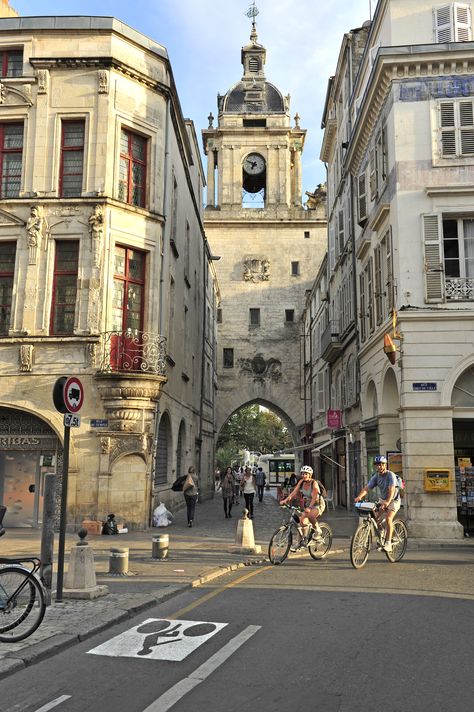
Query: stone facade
[
  {"x": 269, "y": 245},
  {"x": 106, "y": 272}
]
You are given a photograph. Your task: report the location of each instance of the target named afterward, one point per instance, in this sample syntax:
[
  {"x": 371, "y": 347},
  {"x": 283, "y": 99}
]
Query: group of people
[{"x": 242, "y": 480}]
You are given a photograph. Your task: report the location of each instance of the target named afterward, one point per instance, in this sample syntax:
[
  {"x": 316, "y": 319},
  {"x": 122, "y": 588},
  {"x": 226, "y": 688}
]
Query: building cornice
[
  {"x": 440, "y": 190},
  {"x": 396, "y": 64}
]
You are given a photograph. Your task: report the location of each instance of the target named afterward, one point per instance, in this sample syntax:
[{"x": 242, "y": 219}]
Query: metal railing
[
  {"x": 132, "y": 351},
  {"x": 459, "y": 288}
]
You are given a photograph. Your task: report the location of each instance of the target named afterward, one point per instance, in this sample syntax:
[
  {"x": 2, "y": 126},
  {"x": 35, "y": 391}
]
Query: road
[{"x": 304, "y": 635}]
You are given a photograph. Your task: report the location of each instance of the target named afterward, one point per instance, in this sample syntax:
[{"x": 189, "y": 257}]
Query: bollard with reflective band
[
  {"x": 159, "y": 547},
  {"x": 118, "y": 560}
]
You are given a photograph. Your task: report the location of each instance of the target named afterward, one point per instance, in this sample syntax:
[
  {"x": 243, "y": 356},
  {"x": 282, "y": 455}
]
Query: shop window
[
  {"x": 133, "y": 168},
  {"x": 11, "y": 62},
  {"x": 7, "y": 270},
  {"x": 72, "y": 159},
  {"x": 11, "y": 155},
  {"x": 64, "y": 286}
]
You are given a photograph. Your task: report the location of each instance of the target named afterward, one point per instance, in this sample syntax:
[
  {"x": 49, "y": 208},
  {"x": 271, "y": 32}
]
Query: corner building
[
  {"x": 104, "y": 271},
  {"x": 269, "y": 245}
]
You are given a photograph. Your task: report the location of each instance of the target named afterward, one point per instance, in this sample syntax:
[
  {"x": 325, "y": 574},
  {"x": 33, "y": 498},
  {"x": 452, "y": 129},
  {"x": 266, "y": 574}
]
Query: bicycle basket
[{"x": 364, "y": 508}]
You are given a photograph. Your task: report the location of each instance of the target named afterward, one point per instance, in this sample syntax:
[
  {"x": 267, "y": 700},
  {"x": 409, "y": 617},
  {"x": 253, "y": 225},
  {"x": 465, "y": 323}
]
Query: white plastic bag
[{"x": 161, "y": 516}]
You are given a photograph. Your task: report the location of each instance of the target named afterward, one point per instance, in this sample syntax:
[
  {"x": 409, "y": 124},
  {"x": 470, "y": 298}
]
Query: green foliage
[{"x": 253, "y": 429}]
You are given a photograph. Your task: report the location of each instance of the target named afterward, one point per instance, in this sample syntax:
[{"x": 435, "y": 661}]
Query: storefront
[
  {"x": 28, "y": 449},
  {"x": 463, "y": 435}
]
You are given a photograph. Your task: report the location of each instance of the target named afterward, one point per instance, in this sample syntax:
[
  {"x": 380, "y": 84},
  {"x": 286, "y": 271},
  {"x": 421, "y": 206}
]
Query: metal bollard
[
  {"x": 159, "y": 546},
  {"x": 118, "y": 560}
]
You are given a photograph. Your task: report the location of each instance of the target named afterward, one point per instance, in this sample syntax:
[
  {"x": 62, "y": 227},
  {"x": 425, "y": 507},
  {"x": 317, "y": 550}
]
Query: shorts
[
  {"x": 320, "y": 508},
  {"x": 395, "y": 505}
]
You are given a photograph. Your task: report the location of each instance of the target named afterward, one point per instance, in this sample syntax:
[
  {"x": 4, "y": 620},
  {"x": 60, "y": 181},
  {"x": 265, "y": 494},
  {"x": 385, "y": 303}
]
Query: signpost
[{"x": 68, "y": 397}]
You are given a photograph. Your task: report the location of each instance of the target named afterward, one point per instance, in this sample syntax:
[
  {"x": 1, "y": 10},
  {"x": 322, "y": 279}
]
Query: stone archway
[
  {"x": 290, "y": 425},
  {"x": 389, "y": 419}
]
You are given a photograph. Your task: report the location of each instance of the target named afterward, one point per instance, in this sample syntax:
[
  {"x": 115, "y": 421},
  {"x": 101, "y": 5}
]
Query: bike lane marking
[
  {"x": 53, "y": 703},
  {"x": 181, "y": 688}
]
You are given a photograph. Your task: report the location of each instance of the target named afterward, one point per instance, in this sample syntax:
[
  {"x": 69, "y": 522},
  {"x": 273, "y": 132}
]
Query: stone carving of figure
[
  {"x": 43, "y": 75},
  {"x": 265, "y": 270},
  {"x": 96, "y": 228},
  {"x": 210, "y": 118},
  {"x": 103, "y": 77},
  {"x": 26, "y": 358},
  {"x": 256, "y": 270},
  {"x": 34, "y": 228}
]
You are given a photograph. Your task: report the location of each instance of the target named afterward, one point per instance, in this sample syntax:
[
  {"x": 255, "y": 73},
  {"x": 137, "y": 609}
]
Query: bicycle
[
  {"x": 22, "y": 596},
  {"x": 318, "y": 545},
  {"x": 369, "y": 530}
]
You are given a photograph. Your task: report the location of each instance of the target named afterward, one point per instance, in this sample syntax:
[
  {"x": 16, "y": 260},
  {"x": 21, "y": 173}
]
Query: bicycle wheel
[
  {"x": 360, "y": 546},
  {"x": 399, "y": 542},
  {"x": 319, "y": 549},
  {"x": 22, "y": 604},
  {"x": 279, "y": 545}
]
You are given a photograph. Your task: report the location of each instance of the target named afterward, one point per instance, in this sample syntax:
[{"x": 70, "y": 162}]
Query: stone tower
[{"x": 269, "y": 246}]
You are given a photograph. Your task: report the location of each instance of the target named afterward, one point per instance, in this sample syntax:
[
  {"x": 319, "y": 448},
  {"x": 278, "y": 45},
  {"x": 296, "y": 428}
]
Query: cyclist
[
  {"x": 386, "y": 481},
  {"x": 313, "y": 502}
]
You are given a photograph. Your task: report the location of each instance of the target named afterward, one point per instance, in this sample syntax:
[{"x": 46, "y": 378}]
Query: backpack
[
  {"x": 322, "y": 489},
  {"x": 400, "y": 485},
  {"x": 177, "y": 485}
]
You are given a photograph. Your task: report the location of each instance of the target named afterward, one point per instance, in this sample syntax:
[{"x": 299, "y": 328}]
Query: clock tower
[{"x": 270, "y": 246}]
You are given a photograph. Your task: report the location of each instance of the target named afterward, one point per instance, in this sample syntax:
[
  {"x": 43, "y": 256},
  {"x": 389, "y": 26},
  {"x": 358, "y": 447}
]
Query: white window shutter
[
  {"x": 466, "y": 122},
  {"x": 332, "y": 248},
  {"x": 373, "y": 174},
  {"x": 442, "y": 20},
  {"x": 447, "y": 128},
  {"x": 434, "y": 273},
  {"x": 462, "y": 22},
  {"x": 362, "y": 197}
]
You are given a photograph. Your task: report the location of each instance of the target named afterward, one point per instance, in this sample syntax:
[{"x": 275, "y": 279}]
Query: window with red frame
[
  {"x": 11, "y": 155},
  {"x": 133, "y": 167},
  {"x": 64, "y": 286},
  {"x": 11, "y": 62},
  {"x": 72, "y": 159},
  {"x": 7, "y": 270},
  {"x": 129, "y": 288}
]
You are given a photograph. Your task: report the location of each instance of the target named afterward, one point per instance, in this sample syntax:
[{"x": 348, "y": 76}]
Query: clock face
[{"x": 254, "y": 164}]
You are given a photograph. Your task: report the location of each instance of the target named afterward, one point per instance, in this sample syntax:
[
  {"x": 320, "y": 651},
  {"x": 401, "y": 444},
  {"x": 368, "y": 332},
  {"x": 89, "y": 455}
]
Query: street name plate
[{"x": 425, "y": 386}]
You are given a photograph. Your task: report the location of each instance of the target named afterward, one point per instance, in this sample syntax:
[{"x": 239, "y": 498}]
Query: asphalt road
[{"x": 304, "y": 635}]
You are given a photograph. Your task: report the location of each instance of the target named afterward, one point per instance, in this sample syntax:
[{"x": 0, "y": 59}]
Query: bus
[{"x": 277, "y": 467}]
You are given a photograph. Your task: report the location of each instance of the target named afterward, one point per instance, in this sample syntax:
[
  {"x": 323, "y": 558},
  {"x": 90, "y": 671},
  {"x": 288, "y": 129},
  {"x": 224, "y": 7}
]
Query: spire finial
[{"x": 253, "y": 12}]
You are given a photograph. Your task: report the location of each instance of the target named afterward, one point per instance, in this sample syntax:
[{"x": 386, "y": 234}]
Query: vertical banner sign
[
  {"x": 334, "y": 419},
  {"x": 68, "y": 397}
]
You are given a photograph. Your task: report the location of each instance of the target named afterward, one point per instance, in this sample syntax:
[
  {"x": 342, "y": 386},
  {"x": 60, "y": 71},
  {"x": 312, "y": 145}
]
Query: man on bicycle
[
  {"x": 386, "y": 481},
  {"x": 313, "y": 503}
]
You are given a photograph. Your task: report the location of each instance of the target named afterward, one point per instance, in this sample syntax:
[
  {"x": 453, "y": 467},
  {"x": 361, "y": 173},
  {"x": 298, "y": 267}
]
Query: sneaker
[
  {"x": 317, "y": 538},
  {"x": 388, "y": 548}
]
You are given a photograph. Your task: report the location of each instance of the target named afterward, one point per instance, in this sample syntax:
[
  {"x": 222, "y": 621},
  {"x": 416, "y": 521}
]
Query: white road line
[
  {"x": 54, "y": 703},
  {"x": 175, "y": 693}
]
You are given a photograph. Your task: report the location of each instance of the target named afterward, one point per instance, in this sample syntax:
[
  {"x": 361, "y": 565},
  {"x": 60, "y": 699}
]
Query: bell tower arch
[{"x": 269, "y": 245}]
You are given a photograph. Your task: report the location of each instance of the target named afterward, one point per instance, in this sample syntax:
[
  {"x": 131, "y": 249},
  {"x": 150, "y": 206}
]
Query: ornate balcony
[
  {"x": 459, "y": 289},
  {"x": 331, "y": 345},
  {"x": 130, "y": 374}
]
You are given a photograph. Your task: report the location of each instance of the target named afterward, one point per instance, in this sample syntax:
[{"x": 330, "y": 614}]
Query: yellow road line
[{"x": 212, "y": 594}]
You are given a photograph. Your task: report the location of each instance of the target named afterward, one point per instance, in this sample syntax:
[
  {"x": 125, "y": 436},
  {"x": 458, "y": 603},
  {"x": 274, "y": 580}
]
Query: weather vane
[{"x": 252, "y": 12}]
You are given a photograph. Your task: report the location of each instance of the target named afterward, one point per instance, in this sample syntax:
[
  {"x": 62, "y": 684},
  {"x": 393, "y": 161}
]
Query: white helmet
[{"x": 306, "y": 468}]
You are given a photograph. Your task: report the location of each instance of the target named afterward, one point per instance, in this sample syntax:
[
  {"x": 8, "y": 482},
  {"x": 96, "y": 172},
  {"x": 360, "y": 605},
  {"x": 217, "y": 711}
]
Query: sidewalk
[{"x": 196, "y": 555}]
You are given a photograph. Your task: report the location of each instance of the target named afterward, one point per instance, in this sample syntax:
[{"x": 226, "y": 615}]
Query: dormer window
[
  {"x": 254, "y": 64},
  {"x": 11, "y": 63}
]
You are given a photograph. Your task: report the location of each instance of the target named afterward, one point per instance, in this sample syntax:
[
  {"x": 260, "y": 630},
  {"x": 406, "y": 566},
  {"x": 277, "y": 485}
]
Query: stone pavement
[{"x": 196, "y": 555}]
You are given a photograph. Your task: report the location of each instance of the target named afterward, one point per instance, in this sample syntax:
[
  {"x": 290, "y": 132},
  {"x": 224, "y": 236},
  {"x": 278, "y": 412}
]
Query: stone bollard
[
  {"x": 159, "y": 546},
  {"x": 244, "y": 538},
  {"x": 80, "y": 578},
  {"x": 118, "y": 560}
]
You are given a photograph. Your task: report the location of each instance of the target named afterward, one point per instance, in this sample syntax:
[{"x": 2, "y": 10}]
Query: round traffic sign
[{"x": 73, "y": 394}]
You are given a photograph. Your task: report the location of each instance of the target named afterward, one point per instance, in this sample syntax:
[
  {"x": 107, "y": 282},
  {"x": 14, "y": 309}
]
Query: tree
[{"x": 251, "y": 428}]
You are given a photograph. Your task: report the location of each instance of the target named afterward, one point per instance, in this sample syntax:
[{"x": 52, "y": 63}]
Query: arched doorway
[
  {"x": 29, "y": 448},
  {"x": 462, "y": 401}
]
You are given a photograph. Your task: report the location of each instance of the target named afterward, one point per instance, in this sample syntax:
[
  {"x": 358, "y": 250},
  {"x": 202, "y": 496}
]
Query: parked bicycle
[
  {"x": 318, "y": 544},
  {"x": 371, "y": 530},
  {"x": 22, "y": 596}
]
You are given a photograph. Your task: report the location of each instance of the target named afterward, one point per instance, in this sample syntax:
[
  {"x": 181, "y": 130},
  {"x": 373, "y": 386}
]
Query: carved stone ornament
[
  {"x": 3, "y": 93},
  {"x": 34, "y": 232},
  {"x": 26, "y": 358},
  {"x": 129, "y": 445},
  {"x": 96, "y": 229},
  {"x": 256, "y": 270},
  {"x": 261, "y": 369},
  {"x": 103, "y": 80},
  {"x": 43, "y": 79}
]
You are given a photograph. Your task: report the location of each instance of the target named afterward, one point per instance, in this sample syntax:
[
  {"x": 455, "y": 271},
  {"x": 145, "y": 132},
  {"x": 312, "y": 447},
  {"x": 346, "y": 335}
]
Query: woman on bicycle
[{"x": 313, "y": 502}]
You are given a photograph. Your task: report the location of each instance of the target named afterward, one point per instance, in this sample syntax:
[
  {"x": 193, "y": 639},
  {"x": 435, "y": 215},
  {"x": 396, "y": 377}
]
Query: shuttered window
[
  {"x": 161, "y": 462},
  {"x": 456, "y": 127},
  {"x": 434, "y": 281},
  {"x": 362, "y": 198},
  {"x": 452, "y": 23}
]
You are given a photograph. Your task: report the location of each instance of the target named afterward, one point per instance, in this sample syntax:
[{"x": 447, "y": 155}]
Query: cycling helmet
[
  {"x": 306, "y": 468},
  {"x": 380, "y": 460}
]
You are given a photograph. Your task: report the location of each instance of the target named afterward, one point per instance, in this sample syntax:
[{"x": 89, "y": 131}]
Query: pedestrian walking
[
  {"x": 227, "y": 488},
  {"x": 190, "y": 491},
  {"x": 237, "y": 482},
  {"x": 249, "y": 488},
  {"x": 260, "y": 480}
]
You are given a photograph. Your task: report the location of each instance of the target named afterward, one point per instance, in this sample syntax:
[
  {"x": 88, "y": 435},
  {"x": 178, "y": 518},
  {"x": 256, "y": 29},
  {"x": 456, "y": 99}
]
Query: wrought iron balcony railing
[
  {"x": 459, "y": 288},
  {"x": 132, "y": 351}
]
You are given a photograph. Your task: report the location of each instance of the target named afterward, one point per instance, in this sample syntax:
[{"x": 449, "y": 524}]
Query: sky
[{"x": 204, "y": 38}]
